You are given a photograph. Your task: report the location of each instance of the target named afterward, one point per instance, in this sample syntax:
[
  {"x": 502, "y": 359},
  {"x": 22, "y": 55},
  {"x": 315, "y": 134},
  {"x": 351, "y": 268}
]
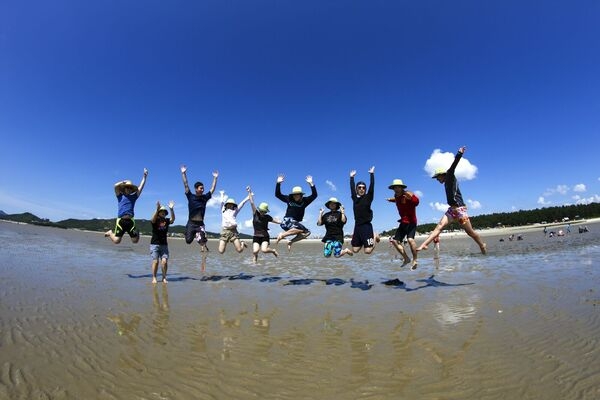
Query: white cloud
[
  {"x": 542, "y": 201},
  {"x": 587, "y": 200},
  {"x": 214, "y": 202},
  {"x": 474, "y": 204},
  {"x": 331, "y": 185},
  {"x": 579, "y": 188},
  {"x": 247, "y": 223},
  {"x": 464, "y": 170},
  {"x": 418, "y": 193},
  {"x": 438, "y": 206},
  {"x": 560, "y": 189}
]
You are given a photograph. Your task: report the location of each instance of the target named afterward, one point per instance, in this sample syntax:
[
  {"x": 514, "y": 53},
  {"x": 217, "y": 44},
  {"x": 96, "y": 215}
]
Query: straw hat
[
  {"x": 438, "y": 172},
  {"x": 297, "y": 190},
  {"x": 128, "y": 184},
  {"x": 333, "y": 200},
  {"x": 231, "y": 201},
  {"x": 163, "y": 208},
  {"x": 264, "y": 207},
  {"x": 397, "y": 182}
]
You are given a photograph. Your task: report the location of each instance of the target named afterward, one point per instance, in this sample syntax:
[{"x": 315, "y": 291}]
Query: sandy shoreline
[{"x": 79, "y": 318}]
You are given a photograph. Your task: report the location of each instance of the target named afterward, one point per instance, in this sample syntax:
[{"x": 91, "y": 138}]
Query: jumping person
[
  {"x": 127, "y": 194},
  {"x": 406, "y": 203},
  {"x": 457, "y": 209},
  {"x": 229, "y": 231},
  {"x": 296, "y": 205},
  {"x": 194, "y": 229},
  {"x": 159, "y": 248},
  {"x": 260, "y": 222},
  {"x": 363, "y": 236},
  {"x": 334, "y": 221}
]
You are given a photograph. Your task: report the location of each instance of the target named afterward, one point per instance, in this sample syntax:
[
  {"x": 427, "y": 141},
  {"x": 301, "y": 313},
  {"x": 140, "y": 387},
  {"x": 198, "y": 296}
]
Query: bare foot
[
  {"x": 484, "y": 249},
  {"x": 414, "y": 265},
  {"x": 164, "y": 280},
  {"x": 107, "y": 233},
  {"x": 279, "y": 237},
  {"x": 421, "y": 247},
  {"x": 153, "y": 279},
  {"x": 289, "y": 244},
  {"x": 275, "y": 253}
]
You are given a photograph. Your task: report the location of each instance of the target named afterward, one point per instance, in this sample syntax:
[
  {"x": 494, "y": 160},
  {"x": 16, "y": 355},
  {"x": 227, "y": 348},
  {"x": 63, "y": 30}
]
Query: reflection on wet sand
[{"x": 514, "y": 324}]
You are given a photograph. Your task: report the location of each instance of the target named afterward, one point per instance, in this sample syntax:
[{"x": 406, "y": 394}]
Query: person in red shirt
[{"x": 407, "y": 203}]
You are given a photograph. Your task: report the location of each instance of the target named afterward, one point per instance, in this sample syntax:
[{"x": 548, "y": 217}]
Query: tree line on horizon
[{"x": 505, "y": 219}]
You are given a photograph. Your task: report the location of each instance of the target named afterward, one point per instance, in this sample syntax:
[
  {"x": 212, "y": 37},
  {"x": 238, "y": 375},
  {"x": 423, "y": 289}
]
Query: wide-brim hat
[
  {"x": 163, "y": 208},
  {"x": 438, "y": 172},
  {"x": 397, "y": 182},
  {"x": 231, "y": 201},
  {"x": 333, "y": 200},
  {"x": 128, "y": 184},
  {"x": 264, "y": 207},
  {"x": 297, "y": 190}
]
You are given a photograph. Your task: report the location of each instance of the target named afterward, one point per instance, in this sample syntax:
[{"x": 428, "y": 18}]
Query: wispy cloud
[
  {"x": 560, "y": 189},
  {"x": 543, "y": 202},
  {"x": 586, "y": 200},
  {"x": 438, "y": 206},
  {"x": 331, "y": 185},
  {"x": 579, "y": 188},
  {"x": 437, "y": 159},
  {"x": 474, "y": 204}
]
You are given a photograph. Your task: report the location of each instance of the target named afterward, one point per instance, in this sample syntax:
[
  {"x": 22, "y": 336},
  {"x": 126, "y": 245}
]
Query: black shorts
[
  {"x": 405, "y": 231},
  {"x": 192, "y": 228},
  {"x": 126, "y": 225},
  {"x": 261, "y": 239},
  {"x": 363, "y": 236}
]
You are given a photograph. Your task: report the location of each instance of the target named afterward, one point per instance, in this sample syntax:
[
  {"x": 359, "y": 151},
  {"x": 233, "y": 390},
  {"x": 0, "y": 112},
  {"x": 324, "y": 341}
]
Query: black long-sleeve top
[
  {"x": 361, "y": 205},
  {"x": 295, "y": 210}
]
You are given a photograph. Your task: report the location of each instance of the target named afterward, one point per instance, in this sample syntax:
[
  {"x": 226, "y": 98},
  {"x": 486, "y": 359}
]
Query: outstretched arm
[
  {"x": 251, "y": 198},
  {"x": 239, "y": 207},
  {"x": 457, "y": 158},
  {"x": 155, "y": 215},
  {"x": 278, "y": 194},
  {"x": 372, "y": 180},
  {"x": 352, "y": 185},
  {"x": 171, "y": 207},
  {"x": 214, "y": 182},
  {"x": 142, "y": 183},
  {"x": 313, "y": 189},
  {"x": 184, "y": 177}
]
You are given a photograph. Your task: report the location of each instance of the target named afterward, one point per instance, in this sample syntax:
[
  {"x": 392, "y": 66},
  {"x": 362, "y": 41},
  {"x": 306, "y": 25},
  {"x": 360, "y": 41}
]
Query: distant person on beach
[
  {"x": 296, "y": 205},
  {"x": 127, "y": 194},
  {"x": 457, "y": 209},
  {"x": 194, "y": 229},
  {"x": 363, "y": 236},
  {"x": 406, "y": 203},
  {"x": 334, "y": 221},
  {"x": 260, "y": 222},
  {"x": 159, "y": 248},
  {"x": 229, "y": 231}
]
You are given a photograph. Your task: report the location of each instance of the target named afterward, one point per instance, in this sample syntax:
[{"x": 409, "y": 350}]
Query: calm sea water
[{"x": 79, "y": 318}]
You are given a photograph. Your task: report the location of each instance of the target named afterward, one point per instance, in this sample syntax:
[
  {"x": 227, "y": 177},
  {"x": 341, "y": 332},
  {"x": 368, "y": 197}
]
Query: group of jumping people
[{"x": 332, "y": 217}]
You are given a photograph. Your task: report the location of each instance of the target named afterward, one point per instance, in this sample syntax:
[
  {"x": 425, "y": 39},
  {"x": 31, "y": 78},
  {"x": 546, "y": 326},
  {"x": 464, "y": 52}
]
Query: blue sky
[{"x": 93, "y": 92}]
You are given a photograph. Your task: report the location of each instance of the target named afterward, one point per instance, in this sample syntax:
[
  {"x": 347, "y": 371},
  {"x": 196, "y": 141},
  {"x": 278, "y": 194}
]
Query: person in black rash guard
[
  {"x": 457, "y": 209},
  {"x": 296, "y": 205},
  {"x": 363, "y": 236}
]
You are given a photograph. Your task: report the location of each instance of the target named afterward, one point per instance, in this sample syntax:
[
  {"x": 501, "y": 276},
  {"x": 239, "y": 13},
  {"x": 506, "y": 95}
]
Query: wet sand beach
[{"x": 80, "y": 319}]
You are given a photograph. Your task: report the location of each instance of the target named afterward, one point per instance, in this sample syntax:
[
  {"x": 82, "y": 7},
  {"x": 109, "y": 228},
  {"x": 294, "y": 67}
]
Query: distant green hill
[{"x": 97, "y": 225}]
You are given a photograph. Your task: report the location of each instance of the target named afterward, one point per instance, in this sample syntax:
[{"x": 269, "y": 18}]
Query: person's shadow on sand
[{"x": 429, "y": 282}]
